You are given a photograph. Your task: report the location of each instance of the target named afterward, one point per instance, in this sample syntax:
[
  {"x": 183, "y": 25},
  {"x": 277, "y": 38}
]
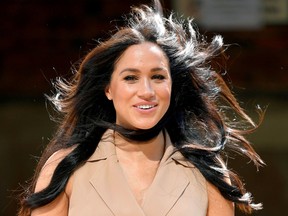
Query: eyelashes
[
  {"x": 158, "y": 77},
  {"x": 134, "y": 78},
  {"x": 131, "y": 78}
]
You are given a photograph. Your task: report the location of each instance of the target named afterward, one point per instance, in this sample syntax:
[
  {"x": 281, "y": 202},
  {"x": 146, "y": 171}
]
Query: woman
[{"x": 145, "y": 123}]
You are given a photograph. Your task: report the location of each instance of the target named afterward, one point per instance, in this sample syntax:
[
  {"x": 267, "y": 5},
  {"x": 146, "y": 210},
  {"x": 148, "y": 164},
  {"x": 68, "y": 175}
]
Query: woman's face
[{"x": 140, "y": 86}]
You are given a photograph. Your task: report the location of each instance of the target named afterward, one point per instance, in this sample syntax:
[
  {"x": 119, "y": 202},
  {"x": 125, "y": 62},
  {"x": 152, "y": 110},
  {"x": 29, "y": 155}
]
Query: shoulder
[
  {"x": 217, "y": 204},
  {"x": 49, "y": 167},
  {"x": 59, "y": 206}
]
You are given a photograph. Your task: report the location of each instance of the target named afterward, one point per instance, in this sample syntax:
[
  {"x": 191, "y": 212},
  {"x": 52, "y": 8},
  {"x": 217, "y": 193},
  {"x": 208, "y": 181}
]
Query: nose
[{"x": 146, "y": 90}]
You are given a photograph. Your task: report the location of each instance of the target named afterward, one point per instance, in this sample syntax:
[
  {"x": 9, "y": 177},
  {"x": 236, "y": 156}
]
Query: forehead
[{"x": 144, "y": 54}]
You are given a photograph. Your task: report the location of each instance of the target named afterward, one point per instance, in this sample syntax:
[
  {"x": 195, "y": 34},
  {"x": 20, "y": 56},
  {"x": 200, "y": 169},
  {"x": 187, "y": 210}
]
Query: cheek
[
  {"x": 165, "y": 92},
  {"x": 121, "y": 92}
]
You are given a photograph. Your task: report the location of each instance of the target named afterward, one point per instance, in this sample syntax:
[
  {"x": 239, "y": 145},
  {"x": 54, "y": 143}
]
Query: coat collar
[
  {"x": 106, "y": 149},
  {"x": 110, "y": 182}
]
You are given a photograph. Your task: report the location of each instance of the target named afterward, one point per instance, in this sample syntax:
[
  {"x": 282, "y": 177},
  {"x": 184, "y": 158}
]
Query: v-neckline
[
  {"x": 110, "y": 182},
  {"x": 129, "y": 178},
  {"x": 144, "y": 191}
]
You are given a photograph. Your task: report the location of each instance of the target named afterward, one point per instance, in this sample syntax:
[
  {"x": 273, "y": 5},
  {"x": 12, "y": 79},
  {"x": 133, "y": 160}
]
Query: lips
[{"x": 145, "y": 106}]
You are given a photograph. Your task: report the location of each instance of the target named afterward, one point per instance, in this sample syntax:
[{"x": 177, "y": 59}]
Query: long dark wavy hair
[{"x": 200, "y": 120}]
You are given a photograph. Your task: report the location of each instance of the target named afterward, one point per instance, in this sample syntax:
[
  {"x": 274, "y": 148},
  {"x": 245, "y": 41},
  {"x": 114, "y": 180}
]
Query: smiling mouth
[{"x": 145, "y": 107}]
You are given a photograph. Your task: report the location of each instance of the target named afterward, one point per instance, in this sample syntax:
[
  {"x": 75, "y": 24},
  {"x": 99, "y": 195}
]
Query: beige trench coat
[{"x": 100, "y": 187}]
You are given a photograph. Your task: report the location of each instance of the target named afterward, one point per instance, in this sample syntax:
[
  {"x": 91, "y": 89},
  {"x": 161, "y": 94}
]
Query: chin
[
  {"x": 142, "y": 125},
  {"x": 145, "y": 127}
]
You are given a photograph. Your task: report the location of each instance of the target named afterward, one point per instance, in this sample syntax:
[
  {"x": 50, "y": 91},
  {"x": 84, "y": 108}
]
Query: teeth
[{"x": 145, "y": 106}]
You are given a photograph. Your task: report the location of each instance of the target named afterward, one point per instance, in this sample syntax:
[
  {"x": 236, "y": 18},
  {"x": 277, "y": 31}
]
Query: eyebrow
[{"x": 136, "y": 70}]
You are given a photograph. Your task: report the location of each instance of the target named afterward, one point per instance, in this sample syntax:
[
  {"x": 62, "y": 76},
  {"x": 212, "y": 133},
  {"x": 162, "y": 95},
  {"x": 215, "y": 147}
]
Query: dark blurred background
[{"x": 40, "y": 40}]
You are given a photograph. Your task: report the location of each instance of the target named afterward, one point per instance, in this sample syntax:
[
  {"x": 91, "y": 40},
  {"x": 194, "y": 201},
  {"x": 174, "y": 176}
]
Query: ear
[{"x": 108, "y": 92}]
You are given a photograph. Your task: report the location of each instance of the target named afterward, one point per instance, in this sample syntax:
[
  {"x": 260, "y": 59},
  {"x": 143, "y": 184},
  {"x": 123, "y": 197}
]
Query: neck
[{"x": 152, "y": 150}]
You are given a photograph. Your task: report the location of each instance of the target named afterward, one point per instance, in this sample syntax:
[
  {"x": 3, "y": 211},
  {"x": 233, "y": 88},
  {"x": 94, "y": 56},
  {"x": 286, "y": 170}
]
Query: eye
[
  {"x": 130, "y": 78},
  {"x": 158, "y": 77}
]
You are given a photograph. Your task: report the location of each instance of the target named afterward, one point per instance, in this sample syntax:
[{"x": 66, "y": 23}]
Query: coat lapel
[
  {"x": 168, "y": 186},
  {"x": 110, "y": 182}
]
